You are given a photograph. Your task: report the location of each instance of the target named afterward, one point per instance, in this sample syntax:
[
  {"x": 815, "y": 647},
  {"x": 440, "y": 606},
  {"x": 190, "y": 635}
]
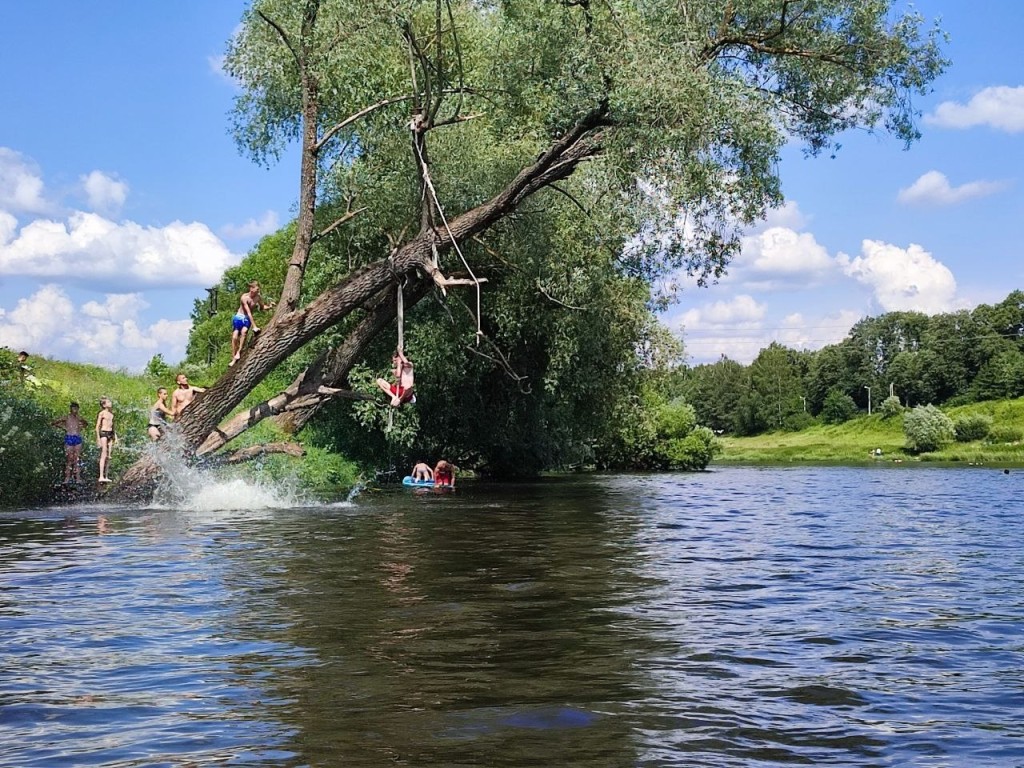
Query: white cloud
[
  {"x": 708, "y": 336},
  {"x": 110, "y": 332},
  {"x": 92, "y": 249},
  {"x": 253, "y": 228},
  {"x": 742, "y": 311},
  {"x": 934, "y": 188},
  {"x": 1000, "y": 107},
  {"x": 104, "y": 193},
  {"x": 21, "y": 186},
  {"x": 902, "y": 278}
]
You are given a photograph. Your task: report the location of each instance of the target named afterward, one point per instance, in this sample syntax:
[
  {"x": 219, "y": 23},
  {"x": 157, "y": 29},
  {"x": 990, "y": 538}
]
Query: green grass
[
  {"x": 59, "y": 383},
  {"x": 855, "y": 441}
]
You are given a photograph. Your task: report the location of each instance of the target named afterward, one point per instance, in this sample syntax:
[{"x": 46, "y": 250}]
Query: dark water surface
[{"x": 740, "y": 617}]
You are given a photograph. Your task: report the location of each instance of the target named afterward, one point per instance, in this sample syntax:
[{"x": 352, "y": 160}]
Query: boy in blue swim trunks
[
  {"x": 72, "y": 424},
  {"x": 243, "y": 319}
]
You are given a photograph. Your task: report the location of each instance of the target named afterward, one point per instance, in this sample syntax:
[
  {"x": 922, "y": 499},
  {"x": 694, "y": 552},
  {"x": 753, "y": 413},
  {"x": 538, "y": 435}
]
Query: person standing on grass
[
  {"x": 105, "y": 436},
  {"x": 73, "y": 425}
]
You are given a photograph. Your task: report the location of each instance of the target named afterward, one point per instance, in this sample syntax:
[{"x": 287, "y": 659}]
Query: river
[{"x": 737, "y": 617}]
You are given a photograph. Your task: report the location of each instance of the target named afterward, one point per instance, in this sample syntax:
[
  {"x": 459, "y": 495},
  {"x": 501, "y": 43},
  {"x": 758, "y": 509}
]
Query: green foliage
[
  {"x": 974, "y": 426},
  {"x": 927, "y": 429},
  {"x": 157, "y": 368},
  {"x": 798, "y": 421},
  {"x": 837, "y": 408},
  {"x": 1005, "y": 434},
  {"x": 31, "y": 451},
  {"x": 890, "y": 407}
]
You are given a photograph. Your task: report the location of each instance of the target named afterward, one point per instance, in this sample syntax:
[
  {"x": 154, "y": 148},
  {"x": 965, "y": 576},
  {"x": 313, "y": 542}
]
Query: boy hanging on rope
[{"x": 401, "y": 391}]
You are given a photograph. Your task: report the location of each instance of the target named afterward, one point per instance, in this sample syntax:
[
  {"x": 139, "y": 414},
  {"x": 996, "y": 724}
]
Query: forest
[{"x": 945, "y": 359}]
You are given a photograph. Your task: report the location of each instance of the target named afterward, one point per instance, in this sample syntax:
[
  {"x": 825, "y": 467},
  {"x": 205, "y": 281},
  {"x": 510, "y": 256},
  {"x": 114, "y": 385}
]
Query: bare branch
[
  {"x": 337, "y": 223},
  {"x": 330, "y": 133},
  {"x": 283, "y": 35}
]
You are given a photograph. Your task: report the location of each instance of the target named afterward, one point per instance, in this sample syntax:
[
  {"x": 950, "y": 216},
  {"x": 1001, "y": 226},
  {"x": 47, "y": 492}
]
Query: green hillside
[{"x": 856, "y": 440}]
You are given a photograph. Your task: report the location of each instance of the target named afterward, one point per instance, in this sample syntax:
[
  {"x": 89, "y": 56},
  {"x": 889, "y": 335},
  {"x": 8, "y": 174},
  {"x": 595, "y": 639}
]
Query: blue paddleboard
[{"x": 407, "y": 480}]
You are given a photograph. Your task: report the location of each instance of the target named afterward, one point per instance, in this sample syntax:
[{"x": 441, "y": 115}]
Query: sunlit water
[{"x": 740, "y": 617}]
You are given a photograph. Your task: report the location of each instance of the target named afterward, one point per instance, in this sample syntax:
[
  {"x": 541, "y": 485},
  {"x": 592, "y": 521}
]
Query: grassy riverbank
[
  {"x": 855, "y": 441},
  {"x": 54, "y": 384}
]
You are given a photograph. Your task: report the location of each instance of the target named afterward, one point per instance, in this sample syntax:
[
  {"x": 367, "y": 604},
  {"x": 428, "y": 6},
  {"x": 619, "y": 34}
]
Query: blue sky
[{"x": 122, "y": 196}]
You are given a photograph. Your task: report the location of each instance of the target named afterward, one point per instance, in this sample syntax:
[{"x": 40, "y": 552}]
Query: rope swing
[{"x": 474, "y": 280}]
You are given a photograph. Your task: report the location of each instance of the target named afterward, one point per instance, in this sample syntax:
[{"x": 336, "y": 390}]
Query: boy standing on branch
[{"x": 243, "y": 319}]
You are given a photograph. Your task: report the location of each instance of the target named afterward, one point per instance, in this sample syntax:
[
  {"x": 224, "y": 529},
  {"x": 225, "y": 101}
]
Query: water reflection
[{"x": 738, "y": 617}]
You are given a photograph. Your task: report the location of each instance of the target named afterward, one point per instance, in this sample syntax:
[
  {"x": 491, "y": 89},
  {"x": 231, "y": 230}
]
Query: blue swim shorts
[
  {"x": 238, "y": 322},
  {"x": 72, "y": 440}
]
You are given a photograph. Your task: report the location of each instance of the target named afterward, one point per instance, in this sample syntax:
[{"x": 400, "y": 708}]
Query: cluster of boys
[
  {"x": 74, "y": 427},
  {"x": 443, "y": 475},
  {"x": 400, "y": 392}
]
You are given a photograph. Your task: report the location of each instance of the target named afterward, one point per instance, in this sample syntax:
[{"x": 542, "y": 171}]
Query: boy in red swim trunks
[{"x": 401, "y": 391}]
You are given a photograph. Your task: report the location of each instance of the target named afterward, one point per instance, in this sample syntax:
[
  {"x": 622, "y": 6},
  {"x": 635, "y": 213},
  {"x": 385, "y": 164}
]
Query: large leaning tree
[{"x": 443, "y": 125}]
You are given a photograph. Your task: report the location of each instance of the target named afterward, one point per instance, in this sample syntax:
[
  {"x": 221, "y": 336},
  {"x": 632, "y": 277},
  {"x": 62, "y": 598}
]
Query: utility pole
[
  {"x": 804, "y": 401},
  {"x": 869, "y": 398}
]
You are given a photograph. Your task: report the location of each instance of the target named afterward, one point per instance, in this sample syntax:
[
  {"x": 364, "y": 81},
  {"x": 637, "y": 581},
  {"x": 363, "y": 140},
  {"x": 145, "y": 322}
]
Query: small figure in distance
[
  {"x": 401, "y": 391},
  {"x": 182, "y": 395},
  {"x": 444, "y": 475},
  {"x": 158, "y": 414},
  {"x": 73, "y": 425},
  {"x": 105, "y": 436},
  {"x": 243, "y": 319},
  {"x": 422, "y": 471}
]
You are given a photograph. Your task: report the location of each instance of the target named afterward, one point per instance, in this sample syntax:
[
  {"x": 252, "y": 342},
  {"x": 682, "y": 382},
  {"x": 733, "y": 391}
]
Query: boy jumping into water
[
  {"x": 243, "y": 319},
  {"x": 402, "y": 390},
  {"x": 72, "y": 424}
]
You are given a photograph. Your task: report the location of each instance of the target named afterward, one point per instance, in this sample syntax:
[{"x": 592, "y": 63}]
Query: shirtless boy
[
  {"x": 422, "y": 471},
  {"x": 243, "y": 319},
  {"x": 73, "y": 425},
  {"x": 105, "y": 436},
  {"x": 402, "y": 390},
  {"x": 182, "y": 395}
]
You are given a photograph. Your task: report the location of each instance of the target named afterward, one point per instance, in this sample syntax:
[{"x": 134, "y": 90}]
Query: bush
[
  {"x": 31, "y": 451},
  {"x": 927, "y": 429},
  {"x": 798, "y": 421},
  {"x": 1005, "y": 434},
  {"x": 890, "y": 407},
  {"x": 692, "y": 452},
  {"x": 838, "y": 407},
  {"x": 974, "y": 426}
]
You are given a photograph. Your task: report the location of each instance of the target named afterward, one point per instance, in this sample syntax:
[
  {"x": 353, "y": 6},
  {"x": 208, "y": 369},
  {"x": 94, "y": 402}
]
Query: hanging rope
[
  {"x": 433, "y": 193},
  {"x": 400, "y": 302}
]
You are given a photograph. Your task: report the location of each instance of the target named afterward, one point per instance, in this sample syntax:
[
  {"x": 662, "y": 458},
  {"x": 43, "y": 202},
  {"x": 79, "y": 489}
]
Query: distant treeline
[{"x": 946, "y": 359}]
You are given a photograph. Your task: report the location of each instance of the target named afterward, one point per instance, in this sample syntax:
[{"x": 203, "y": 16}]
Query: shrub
[
  {"x": 694, "y": 451},
  {"x": 838, "y": 407},
  {"x": 890, "y": 407},
  {"x": 31, "y": 451},
  {"x": 927, "y": 429},
  {"x": 798, "y": 421},
  {"x": 1005, "y": 434},
  {"x": 974, "y": 426}
]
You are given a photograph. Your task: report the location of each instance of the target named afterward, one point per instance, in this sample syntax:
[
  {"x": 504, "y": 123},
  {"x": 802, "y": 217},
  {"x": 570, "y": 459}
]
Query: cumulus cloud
[
  {"x": 21, "y": 186},
  {"x": 902, "y": 278},
  {"x": 89, "y": 248},
  {"x": 253, "y": 228},
  {"x": 109, "y": 332},
  {"x": 1000, "y": 107},
  {"x": 104, "y": 193},
  {"x": 710, "y": 334},
  {"x": 933, "y": 188}
]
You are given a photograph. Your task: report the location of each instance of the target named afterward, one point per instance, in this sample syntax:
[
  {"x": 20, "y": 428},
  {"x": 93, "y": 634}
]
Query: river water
[{"x": 737, "y": 617}]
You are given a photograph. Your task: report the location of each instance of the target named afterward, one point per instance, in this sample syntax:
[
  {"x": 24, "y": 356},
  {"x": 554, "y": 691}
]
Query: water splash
[{"x": 190, "y": 487}]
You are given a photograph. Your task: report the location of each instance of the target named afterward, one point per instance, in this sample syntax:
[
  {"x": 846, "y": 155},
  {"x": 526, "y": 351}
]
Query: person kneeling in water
[{"x": 444, "y": 475}]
